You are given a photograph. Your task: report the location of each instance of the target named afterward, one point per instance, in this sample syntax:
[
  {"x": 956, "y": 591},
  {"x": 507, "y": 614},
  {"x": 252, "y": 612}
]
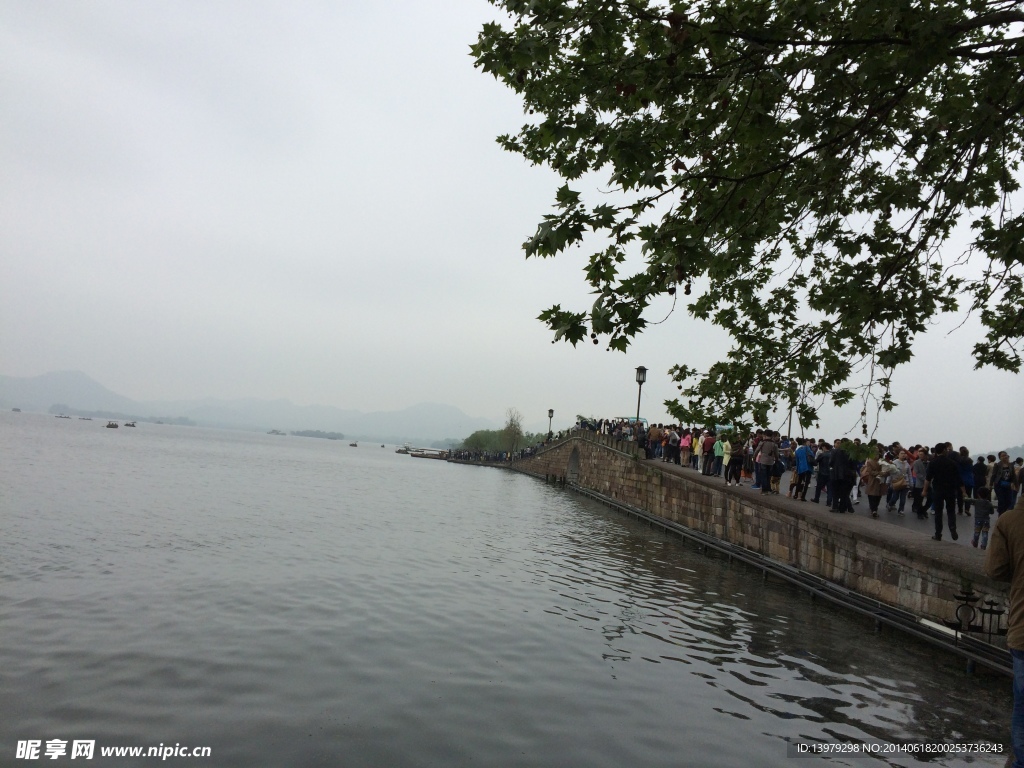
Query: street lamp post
[
  {"x": 551, "y": 415},
  {"x": 641, "y": 377}
]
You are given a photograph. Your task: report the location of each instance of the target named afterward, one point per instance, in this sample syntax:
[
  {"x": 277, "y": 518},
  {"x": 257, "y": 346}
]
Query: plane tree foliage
[{"x": 821, "y": 180}]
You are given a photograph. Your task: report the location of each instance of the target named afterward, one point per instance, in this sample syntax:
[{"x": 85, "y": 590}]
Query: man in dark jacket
[
  {"x": 842, "y": 476},
  {"x": 941, "y": 484},
  {"x": 823, "y": 461},
  {"x": 980, "y": 471},
  {"x": 966, "y": 467}
]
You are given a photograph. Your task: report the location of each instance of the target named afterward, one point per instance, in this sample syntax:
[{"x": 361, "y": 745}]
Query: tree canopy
[
  {"x": 510, "y": 437},
  {"x": 821, "y": 180},
  {"x": 512, "y": 432}
]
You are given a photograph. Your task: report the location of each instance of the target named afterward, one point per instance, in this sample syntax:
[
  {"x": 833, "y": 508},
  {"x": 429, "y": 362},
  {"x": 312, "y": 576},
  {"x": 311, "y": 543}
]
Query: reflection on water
[{"x": 291, "y": 601}]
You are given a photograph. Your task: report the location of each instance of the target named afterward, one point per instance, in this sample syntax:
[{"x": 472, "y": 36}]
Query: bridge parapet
[{"x": 887, "y": 563}]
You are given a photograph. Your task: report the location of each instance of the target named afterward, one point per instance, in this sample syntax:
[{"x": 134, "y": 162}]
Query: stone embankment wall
[{"x": 874, "y": 559}]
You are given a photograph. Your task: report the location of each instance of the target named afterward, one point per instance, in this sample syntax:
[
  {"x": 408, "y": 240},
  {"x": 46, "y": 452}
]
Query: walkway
[{"x": 910, "y": 532}]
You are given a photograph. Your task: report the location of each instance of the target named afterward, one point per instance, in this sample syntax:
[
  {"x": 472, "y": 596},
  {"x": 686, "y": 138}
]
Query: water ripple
[{"x": 291, "y": 601}]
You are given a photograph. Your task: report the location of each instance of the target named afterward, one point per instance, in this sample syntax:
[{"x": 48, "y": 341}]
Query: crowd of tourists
[
  {"x": 940, "y": 480},
  {"x": 494, "y": 457}
]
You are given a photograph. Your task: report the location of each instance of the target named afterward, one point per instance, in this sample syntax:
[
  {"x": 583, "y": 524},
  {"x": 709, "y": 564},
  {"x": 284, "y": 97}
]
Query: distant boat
[
  {"x": 382, "y": 445},
  {"x": 129, "y": 423},
  {"x": 353, "y": 445},
  {"x": 85, "y": 418},
  {"x": 429, "y": 453},
  {"x": 275, "y": 432},
  {"x": 111, "y": 425},
  {"x": 16, "y": 410},
  {"x": 403, "y": 449},
  {"x": 62, "y": 416}
]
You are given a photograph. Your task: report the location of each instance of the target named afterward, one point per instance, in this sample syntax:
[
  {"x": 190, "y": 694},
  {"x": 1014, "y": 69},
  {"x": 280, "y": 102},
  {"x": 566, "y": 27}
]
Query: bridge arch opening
[{"x": 572, "y": 469}]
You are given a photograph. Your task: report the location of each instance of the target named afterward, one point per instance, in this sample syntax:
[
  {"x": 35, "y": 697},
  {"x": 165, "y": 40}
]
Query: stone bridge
[{"x": 888, "y": 563}]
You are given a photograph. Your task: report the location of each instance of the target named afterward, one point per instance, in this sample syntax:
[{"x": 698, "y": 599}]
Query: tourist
[
  {"x": 804, "y": 458},
  {"x": 1019, "y": 463},
  {"x": 982, "y": 502},
  {"x": 1003, "y": 480},
  {"x": 941, "y": 483},
  {"x": 777, "y": 471},
  {"x": 874, "y": 483},
  {"x": 734, "y": 467},
  {"x": 966, "y": 490},
  {"x": 790, "y": 463},
  {"x": 654, "y": 441},
  {"x": 785, "y": 448},
  {"x": 765, "y": 459},
  {"x": 1003, "y": 563},
  {"x": 673, "y": 445},
  {"x": 685, "y": 446},
  {"x": 823, "y": 461},
  {"x": 980, "y": 472},
  {"x": 723, "y": 458},
  {"x": 919, "y": 470},
  {"x": 719, "y": 450},
  {"x": 707, "y": 453},
  {"x": 748, "y": 459},
  {"x": 899, "y": 483},
  {"x": 842, "y": 476}
]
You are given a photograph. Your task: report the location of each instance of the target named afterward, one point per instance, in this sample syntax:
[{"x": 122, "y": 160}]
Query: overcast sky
[{"x": 306, "y": 201}]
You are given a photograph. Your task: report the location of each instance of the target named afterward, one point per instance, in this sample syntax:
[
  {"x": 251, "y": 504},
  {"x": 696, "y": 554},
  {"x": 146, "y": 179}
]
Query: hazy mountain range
[{"x": 77, "y": 394}]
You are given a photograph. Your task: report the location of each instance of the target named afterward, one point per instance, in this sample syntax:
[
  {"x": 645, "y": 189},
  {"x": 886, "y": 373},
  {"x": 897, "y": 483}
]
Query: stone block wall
[{"x": 865, "y": 562}]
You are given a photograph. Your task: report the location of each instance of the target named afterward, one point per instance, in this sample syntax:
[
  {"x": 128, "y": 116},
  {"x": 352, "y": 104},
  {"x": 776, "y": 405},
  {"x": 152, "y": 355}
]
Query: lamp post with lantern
[
  {"x": 551, "y": 415},
  {"x": 641, "y": 377}
]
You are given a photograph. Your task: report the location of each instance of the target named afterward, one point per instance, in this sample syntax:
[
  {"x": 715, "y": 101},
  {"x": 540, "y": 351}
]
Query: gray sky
[{"x": 268, "y": 200}]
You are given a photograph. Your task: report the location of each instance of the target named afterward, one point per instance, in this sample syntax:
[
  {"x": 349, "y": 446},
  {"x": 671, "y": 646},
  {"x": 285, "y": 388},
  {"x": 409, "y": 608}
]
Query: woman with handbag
[
  {"x": 874, "y": 483},
  {"x": 899, "y": 483}
]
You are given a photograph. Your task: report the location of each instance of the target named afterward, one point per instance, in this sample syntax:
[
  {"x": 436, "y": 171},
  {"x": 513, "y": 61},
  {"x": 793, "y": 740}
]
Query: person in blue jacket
[{"x": 804, "y": 457}]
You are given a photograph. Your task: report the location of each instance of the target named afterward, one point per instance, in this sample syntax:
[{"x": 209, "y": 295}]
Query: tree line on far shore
[{"x": 510, "y": 437}]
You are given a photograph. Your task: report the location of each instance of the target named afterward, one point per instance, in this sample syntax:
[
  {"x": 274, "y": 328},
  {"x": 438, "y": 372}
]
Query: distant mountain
[
  {"x": 38, "y": 393},
  {"x": 419, "y": 424}
]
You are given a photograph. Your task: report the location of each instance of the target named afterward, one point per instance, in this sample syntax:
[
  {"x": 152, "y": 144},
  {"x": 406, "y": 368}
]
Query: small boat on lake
[
  {"x": 16, "y": 410},
  {"x": 429, "y": 453},
  {"x": 353, "y": 445},
  {"x": 62, "y": 416},
  {"x": 129, "y": 423},
  {"x": 112, "y": 425}
]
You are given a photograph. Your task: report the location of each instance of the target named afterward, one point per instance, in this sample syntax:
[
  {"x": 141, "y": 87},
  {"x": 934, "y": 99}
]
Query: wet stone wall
[{"x": 868, "y": 559}]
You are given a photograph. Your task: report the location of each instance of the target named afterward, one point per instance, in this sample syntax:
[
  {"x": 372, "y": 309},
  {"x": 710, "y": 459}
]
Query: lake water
[{"x": 292, "y": 601}]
